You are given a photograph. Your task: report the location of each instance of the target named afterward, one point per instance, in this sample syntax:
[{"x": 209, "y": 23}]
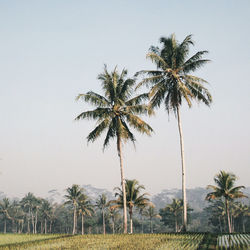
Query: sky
[{"x": 50, "y": 51}]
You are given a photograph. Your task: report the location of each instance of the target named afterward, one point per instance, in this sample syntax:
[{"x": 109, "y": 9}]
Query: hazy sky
[{"x": 50, "y": 51}]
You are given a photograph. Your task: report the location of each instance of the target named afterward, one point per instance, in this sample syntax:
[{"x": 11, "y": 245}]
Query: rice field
[
  {"x": 233, "y": 241},
  {"x": 189, "y": 241},
  {"x": 6, "y": 239}
]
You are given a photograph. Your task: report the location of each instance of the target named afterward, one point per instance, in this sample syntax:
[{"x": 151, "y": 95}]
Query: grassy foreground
[{"x": 136, "y": 241}]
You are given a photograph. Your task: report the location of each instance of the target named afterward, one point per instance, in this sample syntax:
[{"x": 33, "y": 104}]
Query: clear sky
[{"x": 50, "y": 51}]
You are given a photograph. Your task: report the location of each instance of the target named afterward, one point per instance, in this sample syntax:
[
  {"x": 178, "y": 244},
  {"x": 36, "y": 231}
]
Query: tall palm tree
[
  {"x": 225, "y": 189},
  {"x": 102, "y": 204},
  {"x": 114, "y": 113},
  {"x": 85, "y": 208},
  {"x": 72, "y": 196},
  {"x": 172, "y": 83},
  {"x": 133, "y": 198}
]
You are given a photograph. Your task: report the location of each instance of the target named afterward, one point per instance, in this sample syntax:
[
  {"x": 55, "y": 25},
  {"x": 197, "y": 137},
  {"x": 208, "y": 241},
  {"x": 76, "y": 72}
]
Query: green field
[{"x": 137, "y": 241}]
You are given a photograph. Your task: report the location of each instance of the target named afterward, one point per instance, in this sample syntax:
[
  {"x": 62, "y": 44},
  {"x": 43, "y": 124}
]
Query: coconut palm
[
  {"x": 114, "y": 113},
  {"x": 85, "y": 208},
  {"x": 102, "y": 204},
  {"x": 46, "y": 212},
  {"x": 72, "y": 196},
  {"x": 225, "y": 189},
  {"x": 5, "y": 207},
  {"x": 133, "y": 198},
  {"x": 151, "y": 213},
  {"x": 113, "y": 214},
  {"x": 217, "y": 212},
  {"x": 175, "y": 208},
  {"x": 172, "y": 83},
  {"x": 29, "y": 203},
  {"x": 242, "y": 211}
]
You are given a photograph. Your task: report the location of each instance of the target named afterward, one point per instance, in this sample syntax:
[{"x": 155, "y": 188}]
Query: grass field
[{"x": 137, "y": 241}]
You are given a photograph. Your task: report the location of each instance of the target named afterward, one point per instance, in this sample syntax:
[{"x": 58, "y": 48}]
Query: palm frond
[
  {"x": 93, "y": 98},
  {"x": 93, "y": 135}
]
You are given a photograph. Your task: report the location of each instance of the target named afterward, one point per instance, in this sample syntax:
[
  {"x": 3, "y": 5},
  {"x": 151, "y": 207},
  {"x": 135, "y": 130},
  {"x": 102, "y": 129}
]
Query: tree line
[{"x": 79, "y": 214}]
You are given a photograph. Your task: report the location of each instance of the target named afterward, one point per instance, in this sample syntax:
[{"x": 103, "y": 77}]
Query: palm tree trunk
[
  {"x": 141, "y": 224},
  {"x": 131, "y": 221},
  {"x": 228, "y": 217},
  {"x": 36, "y": 222},
  {"x": 184, "y": 197},
  {"x": 151, "y": 225},
  {"x": 4, "y": 230},
  {"x": 33, "y": 223},
  {"x": 113, "y": 224},
  {"x": 82, "y": 225},
  {"x": 176, "y": 224},
  {"x": 119, "y": 149},
  {"x": 74, "y": 221},
  {"x": 103, "y": 222},
  {"x": 45, "y": 226}
]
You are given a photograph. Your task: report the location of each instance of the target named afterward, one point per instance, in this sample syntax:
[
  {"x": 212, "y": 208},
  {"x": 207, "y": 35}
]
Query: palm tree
[
  {"x": 85, "y": 208},
  {"x": 133, "y": 198},
  {"x": 5, "y": 206},
  {"x": 172, "y": 83},
  {"x": 242, "y": 211},
  {"x": 72, "y": 196},
  {"x": 225, "y": 189},
  {"x": 102, "y": 204},
  {"x": 151, "y": 213},
  {"x": 113, "y": 213},
  {"x": 175, "y": 208},
  {"x": 115, "y": 112},
  {"x": 216, "y": 212},
  {"x": 29, "y": 204},
  {"x": 46, "y": 212}
]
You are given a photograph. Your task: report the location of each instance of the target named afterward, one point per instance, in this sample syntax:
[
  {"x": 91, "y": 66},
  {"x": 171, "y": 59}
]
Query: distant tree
[
  {"x": 172, "y": 214},
  {"x": 225, "y": 189},
  {"x": 29, "y": 203},
  {"x": 115, "y": 112},
  {"x": 46, "y": 213},
  {"x": 113, "y": 214},
  {"x": 85, "y": 208},
  {"x": 5, "y": 206},
  {"x": 133, "y": 198},
  {"x": 216, "y": 213},
  {"x": 72, "y": 196},
  {"x": 102, "y": 204},
  {"x": 151, "y": 213},
  {"x": 171, "y": 83}
]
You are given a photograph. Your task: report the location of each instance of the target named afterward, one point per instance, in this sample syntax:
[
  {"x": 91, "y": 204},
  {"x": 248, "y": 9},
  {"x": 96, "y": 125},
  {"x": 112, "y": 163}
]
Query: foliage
[
  {"x": 115, "y": 112},
  {"x": 226, "y": 189},
  {"x": 133, "y": 198},
  {"x": 171, "y": 83}
]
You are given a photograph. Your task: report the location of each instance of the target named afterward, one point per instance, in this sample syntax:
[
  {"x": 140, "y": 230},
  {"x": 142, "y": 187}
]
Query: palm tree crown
[
  {"x": 115, "y": 108},
  {"x": 172, "y": 82}
]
